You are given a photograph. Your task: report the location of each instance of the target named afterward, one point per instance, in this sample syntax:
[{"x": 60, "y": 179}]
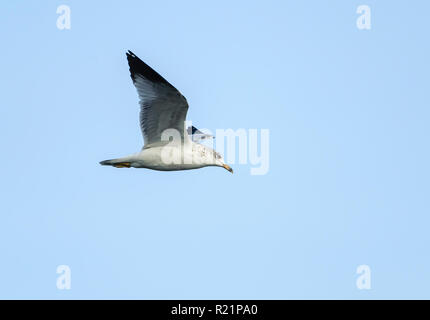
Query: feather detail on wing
[
  {"x": 197, "y": 135},
  {"x": 162, "y": 106}
]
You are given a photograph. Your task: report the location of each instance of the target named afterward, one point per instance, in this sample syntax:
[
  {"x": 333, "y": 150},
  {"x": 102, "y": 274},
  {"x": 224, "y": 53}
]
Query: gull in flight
[{"x": 163, "y": 109}]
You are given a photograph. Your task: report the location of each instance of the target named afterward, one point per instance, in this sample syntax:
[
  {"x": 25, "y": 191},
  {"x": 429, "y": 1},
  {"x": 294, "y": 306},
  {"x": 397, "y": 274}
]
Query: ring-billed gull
[{"x": 163, "y": 109}]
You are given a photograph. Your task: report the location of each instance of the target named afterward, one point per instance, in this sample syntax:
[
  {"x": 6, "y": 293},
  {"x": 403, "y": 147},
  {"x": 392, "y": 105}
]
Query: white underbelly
[{"x": 167, "y": 158}]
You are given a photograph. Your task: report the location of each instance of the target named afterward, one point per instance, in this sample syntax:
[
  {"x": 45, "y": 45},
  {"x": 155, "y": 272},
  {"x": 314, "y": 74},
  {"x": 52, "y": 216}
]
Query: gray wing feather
[{"x": 162, "y": 106}]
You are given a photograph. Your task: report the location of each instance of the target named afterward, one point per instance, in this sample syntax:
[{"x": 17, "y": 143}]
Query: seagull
[{"x": 167, "y": 143}]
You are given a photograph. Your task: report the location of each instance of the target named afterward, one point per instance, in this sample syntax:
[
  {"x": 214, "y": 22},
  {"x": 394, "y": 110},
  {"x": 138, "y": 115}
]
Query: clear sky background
[{"x": 348, "y": 114}]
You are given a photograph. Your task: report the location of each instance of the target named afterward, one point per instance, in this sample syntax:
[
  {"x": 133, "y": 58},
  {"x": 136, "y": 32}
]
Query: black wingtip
[
  {"x": 138, "y": 67},
  {"x": 130, "y": 53}
]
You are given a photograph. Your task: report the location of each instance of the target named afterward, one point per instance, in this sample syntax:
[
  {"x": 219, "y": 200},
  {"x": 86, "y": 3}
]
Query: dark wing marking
[{"x": 197, "y": 135}]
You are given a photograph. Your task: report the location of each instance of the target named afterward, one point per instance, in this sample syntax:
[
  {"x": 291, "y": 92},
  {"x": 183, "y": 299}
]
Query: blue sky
[{"x": 348, "y": 184}]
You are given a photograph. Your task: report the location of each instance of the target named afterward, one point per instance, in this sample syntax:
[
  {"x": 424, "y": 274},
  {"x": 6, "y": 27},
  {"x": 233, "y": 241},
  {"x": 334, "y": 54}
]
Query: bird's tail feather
[
  {"x": 107, "y": 162},
  {"x": 117, "y": 163}
]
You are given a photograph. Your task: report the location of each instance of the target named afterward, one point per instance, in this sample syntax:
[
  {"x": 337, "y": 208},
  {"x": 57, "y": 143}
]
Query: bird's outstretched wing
[
  {"x": 197, "y": 135},
  {"x": 162, "y": 106}
]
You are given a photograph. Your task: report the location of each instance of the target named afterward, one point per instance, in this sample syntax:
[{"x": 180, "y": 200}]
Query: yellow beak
[{"x": 227, "y": 167}]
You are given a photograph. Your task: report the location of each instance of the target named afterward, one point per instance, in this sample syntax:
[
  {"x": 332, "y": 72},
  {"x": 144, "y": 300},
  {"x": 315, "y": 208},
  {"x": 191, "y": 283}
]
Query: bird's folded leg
[{"x": 122, "y": 165}]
